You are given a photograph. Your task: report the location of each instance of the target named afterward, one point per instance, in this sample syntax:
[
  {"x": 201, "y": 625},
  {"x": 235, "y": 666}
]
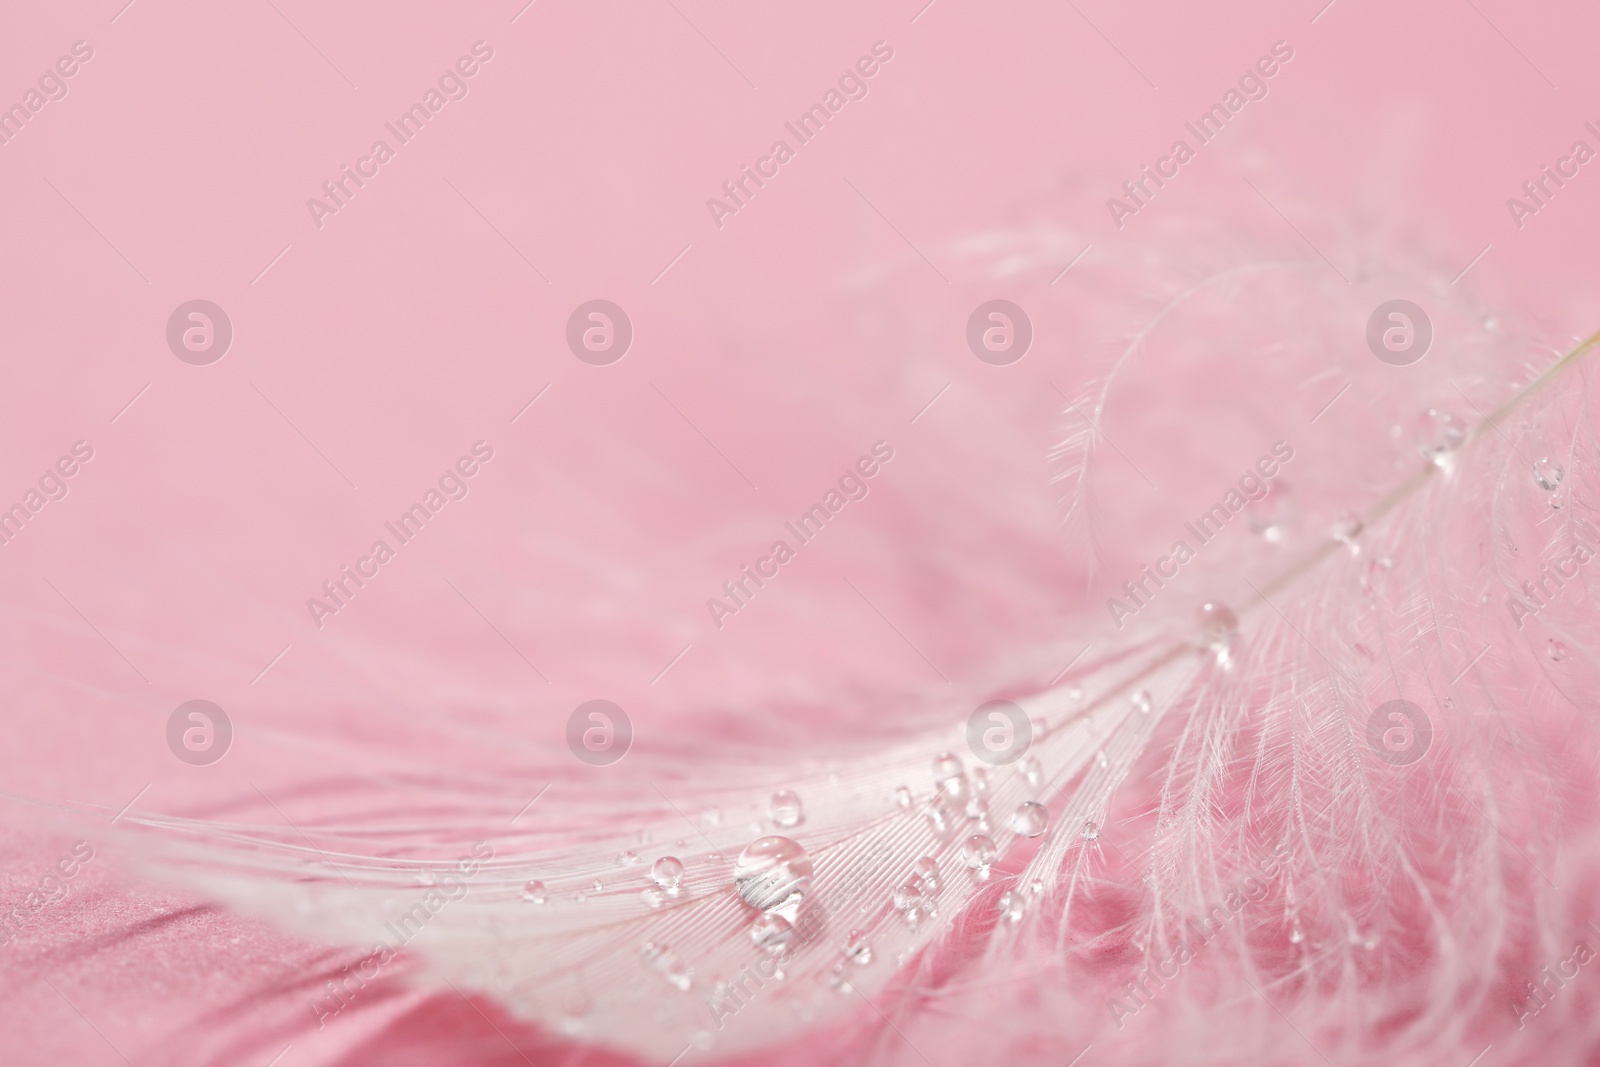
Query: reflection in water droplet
[
  {"x": 770, "y": 933},
  {"x": 1558, "y": 650},
  {"x": 1011, "y": 904},
  {"x": 1030, "y": 818},
  {"x": 667, "y": 872},
  {"x": 979, "y": 852},
  {"x": 1547, "y": 472},
  {"x": 772, "y": 873},
  {"x": 534, "y": 892},
  {"x": 785, "y": 809}
]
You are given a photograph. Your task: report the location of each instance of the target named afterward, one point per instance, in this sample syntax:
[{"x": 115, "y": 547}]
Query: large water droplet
[
  {"x": 1346, "y": 528},
  {"x": 772, "y": 873},
  {"x": 1030, "y": 818},
  {"x": 979, "y": 852},
  {"x": 535, "y": 893},
  {"x": 667, "y": 872},
  {"x": 1272, "y": 515},
  {"x": 1547, "y": 472},
  {"x": 1439, "y": 433},
  {"x": 786, "y": 810},
  {"x": 770, "y": 933},
  {"x": 1219, "y": 629},
  {"x": 1011, "y": 905}
]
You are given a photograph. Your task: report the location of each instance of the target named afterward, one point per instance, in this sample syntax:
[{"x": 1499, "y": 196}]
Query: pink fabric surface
[{"x": 375, "y": 346}]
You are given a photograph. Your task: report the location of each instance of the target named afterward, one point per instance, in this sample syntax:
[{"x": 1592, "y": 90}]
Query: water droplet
[
  {"x": 857, "y": 949},
  {"x": 1272, "y": 515},
  {"x": 580, "y": 896},
  {"x": 653, "y": 896},
  {"x": 908, "y": 901},
  {"x": 667, "y": 872},
  {"x": 979, "y": 852},
  {"x": 1033, "y": 771},
  {"x": 927, "y": 869},
  {"x": 1011, "y": 904},
  {"x": 1074, "y": 696},
  {"x": 902, "y": 797},
  {"x": 535, "y": 893},
  {"x": 1346, "y": 528},
  {"x": 785, "y": 809},
  {"x": 1219, "y": 628},
  {"x": 1030, "y": 818},
  {"x": 770, "y": 933},
  {"x": 980, "y": 778},
  {"x": 1558, "y": 650},
  {"x": 946, "y": 766},
  {"x": 1091, "y": 831},
  {"x": 978, "y": 809},
  {"x": 1101, "y": 759},
  {"x": 628, "y": 858},
  {"x": 711, "y": 817},
  {"x": 772, "y": 873},
  {"x": 1439, "y": 433},
  {"x": 1142, "y": 702},
  {"x": 1556, "y": 501},
  {"x": 1547, "y": 472},
  {"x": 1296, "y": 935}
]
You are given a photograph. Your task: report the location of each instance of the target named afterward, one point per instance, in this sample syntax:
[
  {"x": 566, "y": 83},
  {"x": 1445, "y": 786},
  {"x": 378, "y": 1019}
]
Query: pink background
[{"x": 793, "y": 337}]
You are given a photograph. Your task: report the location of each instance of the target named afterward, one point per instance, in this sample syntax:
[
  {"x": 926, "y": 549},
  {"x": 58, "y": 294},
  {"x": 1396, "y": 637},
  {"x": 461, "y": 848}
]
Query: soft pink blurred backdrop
[{"x": 768, "y": 354}]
